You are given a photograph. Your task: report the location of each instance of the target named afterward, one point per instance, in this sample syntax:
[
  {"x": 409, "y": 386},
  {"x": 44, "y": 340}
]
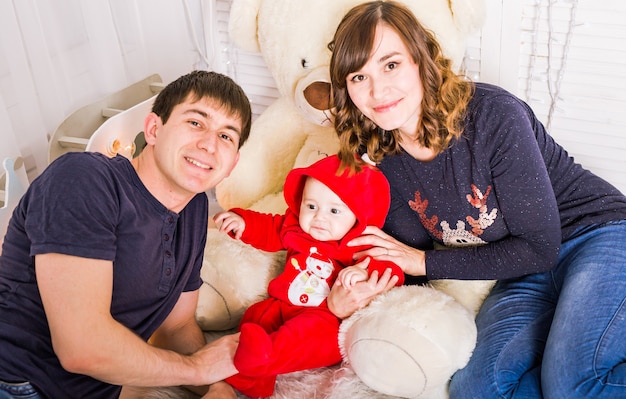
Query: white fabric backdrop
[{"x": 56, "y": 56}]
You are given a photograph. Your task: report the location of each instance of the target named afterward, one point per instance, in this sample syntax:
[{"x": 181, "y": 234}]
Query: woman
[{"x": 471, "y": 168}]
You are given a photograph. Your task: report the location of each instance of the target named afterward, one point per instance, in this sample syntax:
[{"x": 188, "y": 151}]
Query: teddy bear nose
[
  {"x": 317, "y": 94},
  {"x": 312, "y": 96}
]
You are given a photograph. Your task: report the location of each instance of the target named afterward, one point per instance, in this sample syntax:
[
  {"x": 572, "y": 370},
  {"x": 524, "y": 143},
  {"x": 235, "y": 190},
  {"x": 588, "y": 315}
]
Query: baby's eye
[
  {"x": 335, "y": 211},
  {"x": 311, "y": 206}
]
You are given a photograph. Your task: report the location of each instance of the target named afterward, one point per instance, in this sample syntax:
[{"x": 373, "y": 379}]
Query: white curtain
[{"x": 59, "y": 55}]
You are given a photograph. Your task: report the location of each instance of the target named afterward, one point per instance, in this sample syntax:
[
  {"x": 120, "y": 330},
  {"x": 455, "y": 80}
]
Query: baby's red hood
[{"x": 366, "y": 192}]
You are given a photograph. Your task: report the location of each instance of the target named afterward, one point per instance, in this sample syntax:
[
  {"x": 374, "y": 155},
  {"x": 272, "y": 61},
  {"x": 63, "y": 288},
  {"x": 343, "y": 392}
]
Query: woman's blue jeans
[
  {"x": 560, "y": 334},
  {"x": 17, "y": 391}
]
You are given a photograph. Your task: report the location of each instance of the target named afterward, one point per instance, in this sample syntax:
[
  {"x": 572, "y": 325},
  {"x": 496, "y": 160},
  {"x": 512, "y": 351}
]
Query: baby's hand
[
  {"x": 351, "y": 275},
  {"x": 230, "y": 222}
]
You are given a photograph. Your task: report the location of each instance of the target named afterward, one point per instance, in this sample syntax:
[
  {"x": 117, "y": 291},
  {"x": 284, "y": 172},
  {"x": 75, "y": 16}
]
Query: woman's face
[{"x": 388, "y": 89}]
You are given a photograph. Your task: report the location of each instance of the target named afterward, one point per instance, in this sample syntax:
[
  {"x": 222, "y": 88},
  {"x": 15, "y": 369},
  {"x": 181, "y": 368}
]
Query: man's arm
[
  {"x": 76, "y": 294},
  {"x": 180, "y": 332}
]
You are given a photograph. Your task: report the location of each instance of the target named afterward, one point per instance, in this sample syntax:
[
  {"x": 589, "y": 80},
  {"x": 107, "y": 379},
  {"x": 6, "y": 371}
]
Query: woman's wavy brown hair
[{"x": 446, "y": 94}]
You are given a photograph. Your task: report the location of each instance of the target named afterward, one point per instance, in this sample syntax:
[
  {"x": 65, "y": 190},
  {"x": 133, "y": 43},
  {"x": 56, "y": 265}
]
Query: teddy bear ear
[
  {"x": 243, "y": 26},
  {"x": 469, "y": 15}
]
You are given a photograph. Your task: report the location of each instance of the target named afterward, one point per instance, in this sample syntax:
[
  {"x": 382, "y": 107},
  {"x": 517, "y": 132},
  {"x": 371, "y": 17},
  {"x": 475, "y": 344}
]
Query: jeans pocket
[{"x": 18, "y": 390}]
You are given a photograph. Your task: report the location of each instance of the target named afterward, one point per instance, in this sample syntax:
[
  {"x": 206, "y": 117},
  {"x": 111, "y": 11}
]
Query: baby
[{"x": 293, "y": 329}]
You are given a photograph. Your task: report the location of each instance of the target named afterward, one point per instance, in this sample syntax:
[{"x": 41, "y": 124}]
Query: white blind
[
  {"x": 246, "y": 68},
  {"x": 572, "y": 71}
]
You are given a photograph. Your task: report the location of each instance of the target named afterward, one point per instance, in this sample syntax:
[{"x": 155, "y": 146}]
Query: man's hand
[{"x": 216, "y": 358}]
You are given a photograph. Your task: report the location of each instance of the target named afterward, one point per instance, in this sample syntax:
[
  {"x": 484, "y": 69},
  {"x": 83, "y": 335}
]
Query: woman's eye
[
  {"x": 357, "y": 78},
  {"x": 392, "y": 65}
]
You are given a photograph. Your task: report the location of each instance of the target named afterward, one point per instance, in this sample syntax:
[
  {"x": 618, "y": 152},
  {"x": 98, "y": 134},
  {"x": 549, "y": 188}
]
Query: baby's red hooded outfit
[{"x": 293, "y": 329}]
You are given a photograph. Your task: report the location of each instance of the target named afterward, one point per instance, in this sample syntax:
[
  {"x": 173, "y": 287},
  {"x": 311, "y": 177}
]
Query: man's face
[{"x": 197, "y": 148}]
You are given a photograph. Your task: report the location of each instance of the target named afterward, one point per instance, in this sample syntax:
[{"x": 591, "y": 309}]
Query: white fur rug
[
  {"x": 338, "y": 382},
  {"x": 310, "y": 384}
]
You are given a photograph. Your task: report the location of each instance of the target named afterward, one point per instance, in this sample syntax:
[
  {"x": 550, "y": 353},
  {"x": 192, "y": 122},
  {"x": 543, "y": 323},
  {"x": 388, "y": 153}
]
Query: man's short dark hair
[{"x": 206, "y": 84}]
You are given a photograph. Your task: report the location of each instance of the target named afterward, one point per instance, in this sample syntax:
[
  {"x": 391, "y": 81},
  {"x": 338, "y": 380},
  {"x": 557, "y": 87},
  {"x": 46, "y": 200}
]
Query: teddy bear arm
[{"x": 242, "y": 24}]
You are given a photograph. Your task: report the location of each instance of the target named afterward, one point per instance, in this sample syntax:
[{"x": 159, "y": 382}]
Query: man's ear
[{"x": 150, "y": 126}]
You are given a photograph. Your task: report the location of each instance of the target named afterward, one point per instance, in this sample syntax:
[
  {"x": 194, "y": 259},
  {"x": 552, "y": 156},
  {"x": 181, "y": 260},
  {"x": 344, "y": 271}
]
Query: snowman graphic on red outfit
[{"x": 311, "y": 285}]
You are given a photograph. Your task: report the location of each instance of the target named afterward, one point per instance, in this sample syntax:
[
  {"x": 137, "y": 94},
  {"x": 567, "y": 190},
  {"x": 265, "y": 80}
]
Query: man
[{"x": 103, "y": 253}]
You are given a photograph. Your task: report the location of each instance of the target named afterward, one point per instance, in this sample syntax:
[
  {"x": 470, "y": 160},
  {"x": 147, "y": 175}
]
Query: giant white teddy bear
[{"x": 406, "y": 343}]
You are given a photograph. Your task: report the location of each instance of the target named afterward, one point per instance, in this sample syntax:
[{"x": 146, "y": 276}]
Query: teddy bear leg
[{"x": 409, "y": 342}]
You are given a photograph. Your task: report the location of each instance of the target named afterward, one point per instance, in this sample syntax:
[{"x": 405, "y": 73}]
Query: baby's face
[{"x": 323, "y": 214}]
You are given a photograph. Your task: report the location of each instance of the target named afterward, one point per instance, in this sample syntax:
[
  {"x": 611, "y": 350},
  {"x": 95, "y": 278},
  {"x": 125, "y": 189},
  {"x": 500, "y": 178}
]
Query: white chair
[
  {"x": 118, "y": 133},
  {"x": 74, "y": 133}
]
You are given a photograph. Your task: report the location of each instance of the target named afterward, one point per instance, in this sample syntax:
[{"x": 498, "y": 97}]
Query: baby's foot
[{"x": 254, "y": 352}]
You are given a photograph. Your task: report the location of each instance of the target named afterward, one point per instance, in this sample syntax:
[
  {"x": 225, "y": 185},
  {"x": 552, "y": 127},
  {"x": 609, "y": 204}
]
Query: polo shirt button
[
  {"x": 168, "y": 271},
  {"x": 166, "y": 237},
  {"x": 168, "y": 254}
]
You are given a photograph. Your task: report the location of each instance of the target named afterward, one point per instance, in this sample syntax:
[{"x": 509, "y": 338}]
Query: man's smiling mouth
[{"x": 198, "y": 164}]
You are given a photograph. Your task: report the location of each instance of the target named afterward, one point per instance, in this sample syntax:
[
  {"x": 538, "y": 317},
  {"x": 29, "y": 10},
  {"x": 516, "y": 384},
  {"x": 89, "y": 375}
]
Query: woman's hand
[
  {"x": 384, "y": 247},
  {"x": 343, "y": 301}
]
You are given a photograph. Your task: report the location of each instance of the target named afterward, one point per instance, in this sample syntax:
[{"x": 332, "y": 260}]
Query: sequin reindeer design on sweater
[{"x": 459, "y": 236}]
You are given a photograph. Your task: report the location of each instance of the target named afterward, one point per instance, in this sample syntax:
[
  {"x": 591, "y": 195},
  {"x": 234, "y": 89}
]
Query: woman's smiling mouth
[{"x": 385, "y": 107}]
